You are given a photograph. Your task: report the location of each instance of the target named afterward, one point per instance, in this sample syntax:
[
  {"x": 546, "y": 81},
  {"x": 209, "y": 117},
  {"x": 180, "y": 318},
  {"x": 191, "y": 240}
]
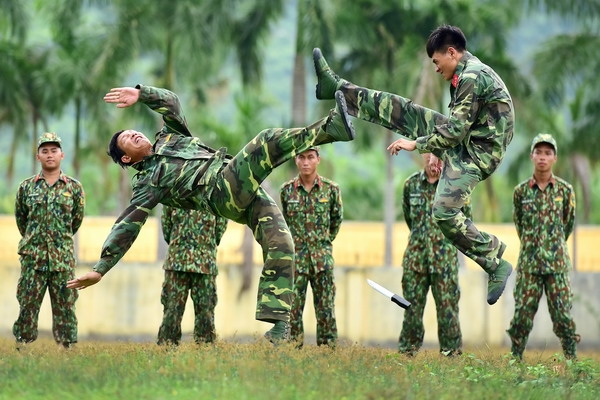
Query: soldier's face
[
  {"x": 307, "y": 162},
  {"x": 445, "y": 62},
  {"x": 50, "y": 155},
  {"x": 433, "y": 165},
  {"x": 543, "y": 157},
  {"x": 134, "y": 144}
]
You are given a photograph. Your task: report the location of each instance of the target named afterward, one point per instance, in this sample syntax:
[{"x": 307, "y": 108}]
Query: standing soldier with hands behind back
[
  {"x": 49, "y": 210},
  {"x": 312, "y": 207},
  {"x": 190, "y": 266},
  {"x": 544, "y": 215},
  {"x": 430, "y": 261}
]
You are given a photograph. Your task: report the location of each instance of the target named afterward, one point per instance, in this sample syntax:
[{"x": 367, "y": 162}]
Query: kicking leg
[
  {"x": 386, "y": 109},
  {"x": 459, "y": 178},
  {"x": 236, "y": 186}
]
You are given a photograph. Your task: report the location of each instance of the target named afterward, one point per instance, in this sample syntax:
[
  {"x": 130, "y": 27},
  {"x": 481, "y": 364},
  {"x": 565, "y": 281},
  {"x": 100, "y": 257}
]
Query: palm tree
[
  {"x": 565, "y": 67},
  {"x": 313, "y": 29},
  {"x": 13, "y": 108},
  {"x": 75, "y": 64}
]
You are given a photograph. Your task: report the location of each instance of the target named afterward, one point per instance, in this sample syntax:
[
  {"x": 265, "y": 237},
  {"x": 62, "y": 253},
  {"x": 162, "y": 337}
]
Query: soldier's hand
[
  {"x": 123, "y": 96},
  {"x": 89, "y": 279},
  {"x": 401, "y": 144}
]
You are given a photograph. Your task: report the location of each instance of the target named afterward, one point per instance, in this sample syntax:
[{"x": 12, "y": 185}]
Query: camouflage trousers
[
  {"x": 237, "y": 195},
  {"x": 528, "y": 291},
  {"x": 459, "y": 176},
  {"x": 323, "y": 290},
  {"x": 202, "y": 289},
  {"x": 31, "y": 289},
  {"x": 446, "y": 294}
]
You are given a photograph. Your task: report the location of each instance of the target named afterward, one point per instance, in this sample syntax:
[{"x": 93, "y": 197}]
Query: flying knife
[{"x": 401, "y": 301}]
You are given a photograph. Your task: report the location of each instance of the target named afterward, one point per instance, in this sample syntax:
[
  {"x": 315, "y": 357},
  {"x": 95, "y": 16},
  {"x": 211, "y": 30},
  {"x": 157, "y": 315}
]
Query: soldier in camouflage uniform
[
  {"x": 471, "y": 141},
  {"x": 430, "y": 261},
  {"x": 179, "y": 170},
  {"x": 544, "y": 215},
  {"x": 190, "y": 266},
  {"x": 312, "y": 207},
  {"x": 49, "y": 209}
]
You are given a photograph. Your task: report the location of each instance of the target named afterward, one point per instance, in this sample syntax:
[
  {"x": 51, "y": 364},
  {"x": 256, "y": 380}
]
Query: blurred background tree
[{"x": 243, "y": 65}]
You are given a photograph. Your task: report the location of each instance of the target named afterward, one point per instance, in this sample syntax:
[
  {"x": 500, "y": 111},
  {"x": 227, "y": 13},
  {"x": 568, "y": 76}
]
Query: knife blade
[{"x": 399, "y": 300}]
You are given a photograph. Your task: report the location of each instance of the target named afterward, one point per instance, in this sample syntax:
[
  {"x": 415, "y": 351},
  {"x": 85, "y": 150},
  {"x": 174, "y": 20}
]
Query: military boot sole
[
  {"x": 342, "y": 108},
  {"x": 497, "y": 281}
]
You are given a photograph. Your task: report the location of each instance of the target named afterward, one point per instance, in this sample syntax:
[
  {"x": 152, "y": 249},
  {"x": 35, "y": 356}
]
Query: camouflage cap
[
  {"x": 544, "y": 138},
  {"x": 315, "y": 148},
  {"x": 49, "y": 137}
]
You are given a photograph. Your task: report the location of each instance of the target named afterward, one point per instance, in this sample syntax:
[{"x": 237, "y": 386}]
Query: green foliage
[
  {"x": 61, "y": 55},
  {"x": 258, "y": 370}
]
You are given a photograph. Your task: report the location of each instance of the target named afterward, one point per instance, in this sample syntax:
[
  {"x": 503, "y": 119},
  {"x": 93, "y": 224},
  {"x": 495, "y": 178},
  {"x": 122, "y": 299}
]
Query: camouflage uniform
[
  {"x": 314, "y": 219},
  {"x": 47, "y": 218},
  {"x": 544, "y": 220},
  {"x": 190, "y": 266},
  {"x": 471, "y": 142},
  {"x": 185, "y": 173},
  {"x": 430, "y": 260}
]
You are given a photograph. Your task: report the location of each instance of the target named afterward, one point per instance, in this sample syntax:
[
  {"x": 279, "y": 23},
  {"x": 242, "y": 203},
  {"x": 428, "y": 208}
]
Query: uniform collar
[
  {"x": 462, "y": 63},
  {"x": 533, "y": 182},
  {"x": 424, "y": 178},
  {"x": 318, "y": 182},
  {"x": 61, "y": 177}
]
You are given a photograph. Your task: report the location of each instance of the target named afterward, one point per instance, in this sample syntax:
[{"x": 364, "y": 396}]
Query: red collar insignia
[{"x": 455, "y": 80}]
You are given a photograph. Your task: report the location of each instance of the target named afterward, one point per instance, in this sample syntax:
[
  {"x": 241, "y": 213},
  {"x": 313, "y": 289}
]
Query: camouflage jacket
[
  {"x": 314, "y": 219},
  {"x": 481, "y": 116},
  {"x": 544, "y": 220},
  {"x": 428, "y": 251},
  {"x": 193, "y": 237},
  {"x": 47, "y": 218},
  {"x": 179, "y": 173}
]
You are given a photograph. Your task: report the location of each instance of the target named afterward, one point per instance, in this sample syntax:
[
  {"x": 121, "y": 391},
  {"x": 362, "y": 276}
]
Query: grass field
[{"x": 259, "y": 370}]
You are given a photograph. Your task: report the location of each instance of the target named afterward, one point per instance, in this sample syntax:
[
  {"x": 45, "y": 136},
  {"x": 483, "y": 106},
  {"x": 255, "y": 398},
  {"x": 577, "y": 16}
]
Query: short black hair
[
  {"x": 445, "y": 36},
  {"x": 115, "y": 152}
]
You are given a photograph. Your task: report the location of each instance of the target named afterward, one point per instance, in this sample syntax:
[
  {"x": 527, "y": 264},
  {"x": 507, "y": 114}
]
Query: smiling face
[
  {"x": 446, "y": 62},
  {"x": 135, "y": 145},
  {"x": 50, "y": 155}
]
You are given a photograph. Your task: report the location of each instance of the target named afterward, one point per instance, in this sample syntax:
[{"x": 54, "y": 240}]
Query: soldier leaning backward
[
  {"x": 471, "y": 141},
  {"x": 178, "y": 170}
]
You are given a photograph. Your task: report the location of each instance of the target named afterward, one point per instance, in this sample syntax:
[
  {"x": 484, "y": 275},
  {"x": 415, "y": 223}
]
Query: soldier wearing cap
[
  {"x": 49, "y": 209},
  {"x": 312, "y": 207},
  {"x": 544, "y": 215}
]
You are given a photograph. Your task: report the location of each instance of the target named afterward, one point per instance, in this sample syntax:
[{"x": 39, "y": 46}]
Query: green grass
[{"x": 119, "y": 370}]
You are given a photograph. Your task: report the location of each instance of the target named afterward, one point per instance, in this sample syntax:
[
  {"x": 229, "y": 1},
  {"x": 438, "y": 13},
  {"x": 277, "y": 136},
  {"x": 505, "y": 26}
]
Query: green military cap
[
  {"x": 544, "y": 138},
  {"x": 49, "y": 137},
  {"x": 315, "y": 148}
]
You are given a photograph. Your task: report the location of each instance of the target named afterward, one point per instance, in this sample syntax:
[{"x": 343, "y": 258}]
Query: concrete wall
[{"x": 126, "y": 303}]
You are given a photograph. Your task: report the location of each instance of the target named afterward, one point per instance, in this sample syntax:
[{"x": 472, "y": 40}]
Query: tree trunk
[
  {"x": 77, "y": 140},
  {"x": 299, "y": 92},
  {"x": 389, "y": 215}
]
